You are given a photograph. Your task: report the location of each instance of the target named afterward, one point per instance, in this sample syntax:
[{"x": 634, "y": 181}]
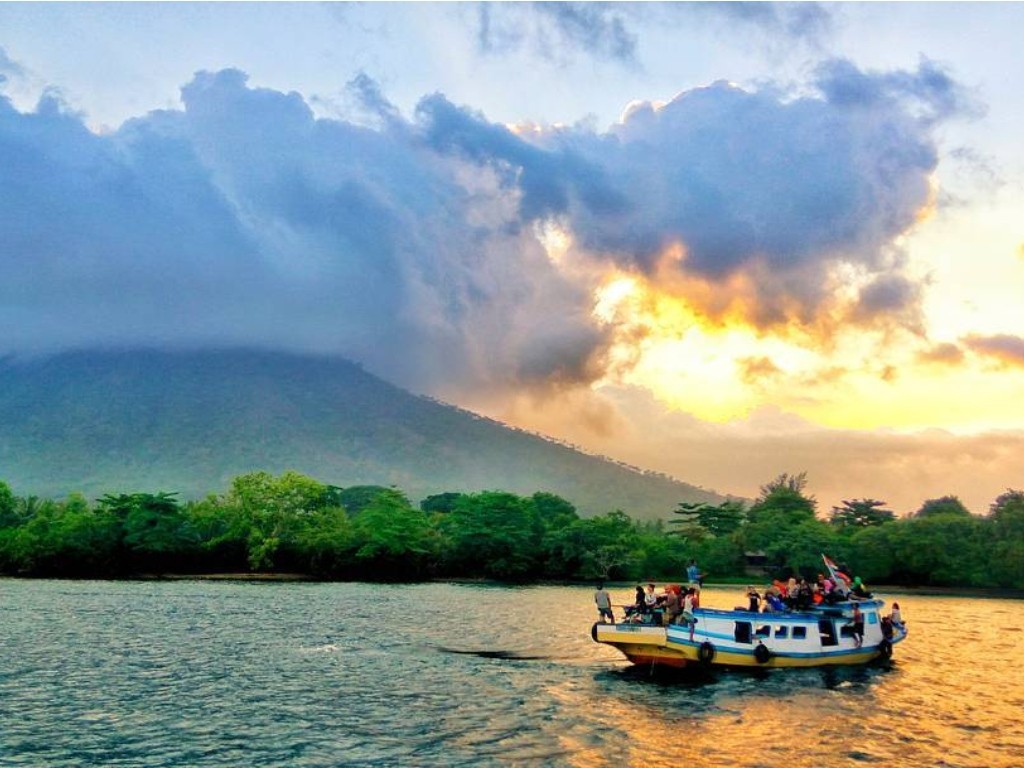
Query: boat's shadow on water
[{"x": 825, "y": 678}]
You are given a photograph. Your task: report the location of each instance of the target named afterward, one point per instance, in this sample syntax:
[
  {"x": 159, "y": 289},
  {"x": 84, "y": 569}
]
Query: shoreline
[{"x": 287, "y": 577}]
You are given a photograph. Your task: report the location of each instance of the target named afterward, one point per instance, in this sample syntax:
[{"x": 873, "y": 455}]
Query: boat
[{"x": 816, "y": 636}]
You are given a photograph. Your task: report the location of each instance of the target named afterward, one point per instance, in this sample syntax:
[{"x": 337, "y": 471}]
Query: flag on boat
[{"x": 840, "y": 579}]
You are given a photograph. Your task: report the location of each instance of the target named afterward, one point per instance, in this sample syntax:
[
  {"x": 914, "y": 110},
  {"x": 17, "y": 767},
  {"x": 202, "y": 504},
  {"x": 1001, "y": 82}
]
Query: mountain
[{"x": 143, "y": 420}]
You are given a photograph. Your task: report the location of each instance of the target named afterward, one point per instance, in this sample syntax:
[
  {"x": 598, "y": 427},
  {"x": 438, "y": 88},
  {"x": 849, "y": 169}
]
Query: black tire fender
[
  {"x": 885, "y": 649},
  {"x": 706, "y": 653},
  {"x": 762, "y": 654}
]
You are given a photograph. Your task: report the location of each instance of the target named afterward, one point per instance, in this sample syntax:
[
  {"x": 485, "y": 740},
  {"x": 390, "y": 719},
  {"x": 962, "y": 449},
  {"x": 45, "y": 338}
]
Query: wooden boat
[{"x": 819, "y": 636}]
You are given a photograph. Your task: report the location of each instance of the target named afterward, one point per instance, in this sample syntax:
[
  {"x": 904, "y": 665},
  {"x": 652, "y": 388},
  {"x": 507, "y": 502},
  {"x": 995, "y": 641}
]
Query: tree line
[{"x": 294, "y": 523}]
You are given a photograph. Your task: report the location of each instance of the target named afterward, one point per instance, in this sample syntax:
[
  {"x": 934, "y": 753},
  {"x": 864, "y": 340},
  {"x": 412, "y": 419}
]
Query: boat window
[
  {"x": 827, "y": 632},
  {"x": 781, "y": 633},
  {"x": 872, "y": 618},
  {"x": 799, "y": 633},
  {"x": 742, "y": 631},
  {"x": 763, "y": 631},
  {"x": 846, "y": 631}
]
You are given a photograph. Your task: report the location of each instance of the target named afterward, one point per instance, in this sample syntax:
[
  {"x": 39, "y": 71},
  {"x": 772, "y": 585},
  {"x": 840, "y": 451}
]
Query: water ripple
[{"x": 219, "y": 674}]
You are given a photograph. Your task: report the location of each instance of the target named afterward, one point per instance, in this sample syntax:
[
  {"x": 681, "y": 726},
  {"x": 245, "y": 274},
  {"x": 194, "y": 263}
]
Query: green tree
[
  {"x": 553, "y": 511},
  {"x": 945, "y": 505},
  {"x": 782, "y": 524},
  {"x": 942, "y": 549},
  {"x": 601, "y": 547},
  {"x": 494, "y": 534},
  {"x": 657, "y": 553},
  {"x": 358, "y": 497},
  {"x": 326, "y": 543},
  {"x": 719, "y": 557},
  {"x": 67, "y": 540},
  {"x": 715, "y": 519},
  {"x": 860, "y": 513},
  {"x": 8, "y": 504},
  {"x": 440, "y": 502},
  {"x": 272, "y": 508},
  {"x": 1006, "y": 554},
  {"x": 392, "y": 537},
  {"x": 154, "y": 532},
  {"x": 222, "y": 532}
]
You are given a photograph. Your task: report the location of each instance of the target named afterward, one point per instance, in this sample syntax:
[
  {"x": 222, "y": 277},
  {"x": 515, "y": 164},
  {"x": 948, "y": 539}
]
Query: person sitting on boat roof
[
  {"x": 804, "y": 596},
  {"x": 650, "y": 603},
  {"x": 650, "y": 599},
  {"x": 773, "y": 603},
  {"x": 754, "y": 599},
  {"x": 859, "y": 589}
]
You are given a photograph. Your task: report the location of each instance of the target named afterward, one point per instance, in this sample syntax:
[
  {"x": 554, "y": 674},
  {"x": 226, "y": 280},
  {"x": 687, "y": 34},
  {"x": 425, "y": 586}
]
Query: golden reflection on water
[{"x": 953, "y": 697}]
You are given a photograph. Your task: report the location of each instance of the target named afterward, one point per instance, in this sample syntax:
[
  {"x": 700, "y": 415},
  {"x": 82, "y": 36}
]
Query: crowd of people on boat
[
  {"x": 675, "y": 603},
  {"x": 797, "y": 594}
]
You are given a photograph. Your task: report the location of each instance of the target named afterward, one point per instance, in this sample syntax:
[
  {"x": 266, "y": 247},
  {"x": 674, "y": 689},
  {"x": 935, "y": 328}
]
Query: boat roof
[{"x": 812, "y": 614}]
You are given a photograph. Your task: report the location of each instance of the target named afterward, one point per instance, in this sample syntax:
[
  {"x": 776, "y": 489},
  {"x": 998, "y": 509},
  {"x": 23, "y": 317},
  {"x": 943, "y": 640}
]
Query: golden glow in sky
[{"x": 723, "y": 369}]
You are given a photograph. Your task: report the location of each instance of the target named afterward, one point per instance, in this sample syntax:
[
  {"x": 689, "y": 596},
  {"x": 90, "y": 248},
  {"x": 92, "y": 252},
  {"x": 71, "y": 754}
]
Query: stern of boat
[{"x": 640, "y": 643}]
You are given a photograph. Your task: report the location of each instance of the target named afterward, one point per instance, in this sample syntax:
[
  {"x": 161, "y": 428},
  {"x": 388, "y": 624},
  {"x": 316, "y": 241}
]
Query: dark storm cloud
[
  {"x": 755, "y": 183},
  {"x": 411, "y": 246},
  {"x": 244, "y": 220}
]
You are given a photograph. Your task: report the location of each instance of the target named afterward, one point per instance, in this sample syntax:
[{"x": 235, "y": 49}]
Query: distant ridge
[{"x": 145, "y": 420}]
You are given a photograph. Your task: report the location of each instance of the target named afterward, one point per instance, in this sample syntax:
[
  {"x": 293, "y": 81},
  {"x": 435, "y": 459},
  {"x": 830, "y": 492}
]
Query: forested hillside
[{"x": 188, "y": 422}]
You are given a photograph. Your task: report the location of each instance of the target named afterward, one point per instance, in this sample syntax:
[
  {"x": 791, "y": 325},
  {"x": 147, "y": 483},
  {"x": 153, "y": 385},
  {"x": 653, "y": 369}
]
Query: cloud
[
  {"x": 604, "y": 31},
  {"x": 555, "y": 30},
  {"x": 755, "y": 369},
  {"x": 942, "y": 354},
  {"x": 790, "y": 20},
  {"x": 242, "y": 219},
  {"x": 1008, "y": 350},
  {"x": 761, "y": 191},
  {"x": 413, "y": 246},
  {"x": 902, "y": 469},
  {"x": 888, "y": 296},
  {"x": 8, "y": 67}
]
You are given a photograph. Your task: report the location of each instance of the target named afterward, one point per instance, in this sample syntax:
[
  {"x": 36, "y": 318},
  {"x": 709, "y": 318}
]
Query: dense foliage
[{"x": 293, "y": 523}]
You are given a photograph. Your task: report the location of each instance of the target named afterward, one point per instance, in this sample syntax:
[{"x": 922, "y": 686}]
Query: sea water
[{"x": 210, "y": 673}]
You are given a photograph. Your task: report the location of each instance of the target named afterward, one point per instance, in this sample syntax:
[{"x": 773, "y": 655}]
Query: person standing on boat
[
  {"x": 672, "y": 607},
  {"x": 689, "y": 603},
  {"x": 857, "y": 623},
  {"x": 896, "y": 617},
  {"x": 604, "y": 604},
  {"x": 693, "y": 574}
]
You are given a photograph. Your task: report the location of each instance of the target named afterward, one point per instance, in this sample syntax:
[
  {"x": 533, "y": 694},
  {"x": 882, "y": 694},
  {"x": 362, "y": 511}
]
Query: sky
[{"x": 718, "y": 240}]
